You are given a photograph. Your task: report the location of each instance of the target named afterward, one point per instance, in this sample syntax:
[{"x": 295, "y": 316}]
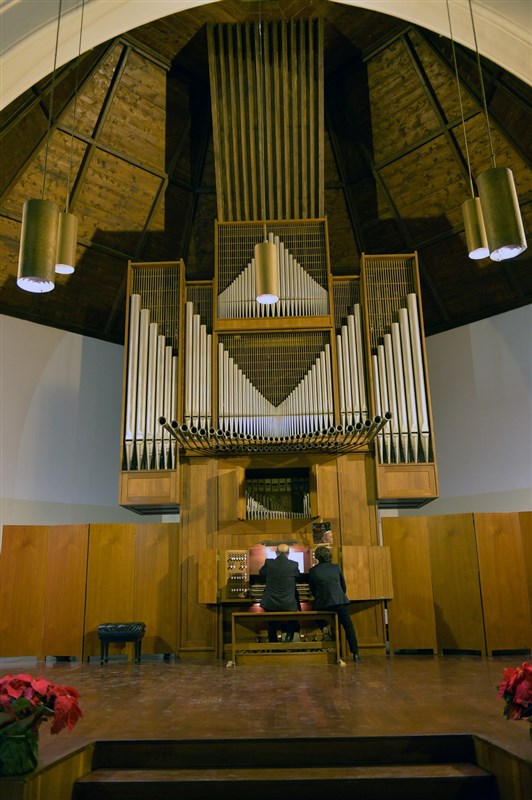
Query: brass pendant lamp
[
  {"x": 67, "y": 237},
  {"x": 498, "y": 197},
  {"x": 266, "y": 273},
  {"x": 266, "y": 255},
  {"x": 38, "y": 246},
  {"x": 475, "y": 232},
  {"x": 40, "y": 221}
]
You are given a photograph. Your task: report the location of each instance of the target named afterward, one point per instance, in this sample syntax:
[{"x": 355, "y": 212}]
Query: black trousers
[
  {"x": 344, "y": 618},
  {"x": 290, "y": 627}
]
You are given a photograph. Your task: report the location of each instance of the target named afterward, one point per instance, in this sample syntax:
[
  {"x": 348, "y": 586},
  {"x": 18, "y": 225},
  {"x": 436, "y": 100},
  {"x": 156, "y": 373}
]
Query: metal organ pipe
[
  {"x": 189, "y": 313},
  {"x": 159, "y": 400},
  {"x": 378, "y": 402},
  {"x": 419, "y": 378},
  {"x": 140, "y": 427},
  {"x": 401, "y": 387},
  {"x": 392, "y": 395},
  {"x": 132, "y": 371},
  {"x": 151, "y": 410},
  {"x": 400, "y": 390},
  {"x": 385, "y": 403},
  {"x": 410, "y": 390},
  {"x": 151, "y": 386}
]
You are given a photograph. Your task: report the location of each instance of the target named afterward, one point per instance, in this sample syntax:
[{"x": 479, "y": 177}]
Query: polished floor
[{"x": 383, "y": 695}]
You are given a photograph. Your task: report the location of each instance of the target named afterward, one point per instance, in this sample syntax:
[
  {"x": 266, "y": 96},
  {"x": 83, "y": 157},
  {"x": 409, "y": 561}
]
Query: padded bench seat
[{"x": 120, "y": 632}]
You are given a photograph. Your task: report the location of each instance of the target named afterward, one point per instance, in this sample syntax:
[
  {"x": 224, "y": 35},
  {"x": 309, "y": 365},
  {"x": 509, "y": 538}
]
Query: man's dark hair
[{"x": 323, "y": 554}]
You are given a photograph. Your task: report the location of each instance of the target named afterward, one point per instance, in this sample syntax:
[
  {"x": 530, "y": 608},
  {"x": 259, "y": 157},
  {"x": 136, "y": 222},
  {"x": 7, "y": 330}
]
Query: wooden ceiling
[{"x": 140, "y": 165}]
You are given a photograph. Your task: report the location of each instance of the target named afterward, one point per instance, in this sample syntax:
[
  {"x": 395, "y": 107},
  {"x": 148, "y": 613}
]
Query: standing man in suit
[
  {"x": 328, "y": 587},
  {"x": 280, "y": 591}
]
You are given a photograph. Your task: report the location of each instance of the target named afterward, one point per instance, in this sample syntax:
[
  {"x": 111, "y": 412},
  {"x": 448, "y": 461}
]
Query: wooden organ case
[{"x": 219, "y": 388}]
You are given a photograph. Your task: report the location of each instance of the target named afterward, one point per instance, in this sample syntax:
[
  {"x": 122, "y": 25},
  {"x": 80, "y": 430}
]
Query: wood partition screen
[
  {"x": 42, "y": 590},
  {"x": 411, "y": 618},
  {"x": 456, "y": 583}
]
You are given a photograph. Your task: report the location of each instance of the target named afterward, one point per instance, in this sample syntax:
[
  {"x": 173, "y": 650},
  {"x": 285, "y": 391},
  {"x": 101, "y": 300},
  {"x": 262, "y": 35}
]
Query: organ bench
[{"x": 250, "y": 645}]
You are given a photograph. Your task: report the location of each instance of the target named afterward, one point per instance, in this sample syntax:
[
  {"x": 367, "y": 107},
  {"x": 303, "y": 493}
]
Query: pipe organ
[{"x": 310, "y": 377}]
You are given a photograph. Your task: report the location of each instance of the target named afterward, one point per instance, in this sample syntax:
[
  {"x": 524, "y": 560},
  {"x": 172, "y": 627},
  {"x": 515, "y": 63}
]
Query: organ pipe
[
  {"x": 151, "y": 386},
  {"x": 132, "y": 371},
  {"x": 221, "y": 443}
]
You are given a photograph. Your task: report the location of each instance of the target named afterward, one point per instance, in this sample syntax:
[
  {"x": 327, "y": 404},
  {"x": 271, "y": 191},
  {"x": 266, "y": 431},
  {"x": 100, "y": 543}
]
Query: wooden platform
[{"x": 400, "y": 697}]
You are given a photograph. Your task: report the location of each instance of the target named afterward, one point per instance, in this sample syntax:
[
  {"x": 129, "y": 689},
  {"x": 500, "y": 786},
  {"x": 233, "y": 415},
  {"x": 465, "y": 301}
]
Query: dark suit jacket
[
  {"x": 327, "y": 585},
  {"x": 280, "y": 593}
]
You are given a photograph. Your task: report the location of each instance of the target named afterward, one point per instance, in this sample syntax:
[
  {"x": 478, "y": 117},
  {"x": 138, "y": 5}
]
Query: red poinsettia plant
[
  {"x": 516, "y": 690},
  {"x": 26, "y": 702}
]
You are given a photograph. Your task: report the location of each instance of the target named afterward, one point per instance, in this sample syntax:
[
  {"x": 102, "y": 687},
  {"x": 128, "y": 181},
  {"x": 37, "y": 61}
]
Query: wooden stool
[{"x": 120, "y": 632}]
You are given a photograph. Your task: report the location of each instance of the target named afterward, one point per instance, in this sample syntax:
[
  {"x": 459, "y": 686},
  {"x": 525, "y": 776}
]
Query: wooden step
[
  {"x": 278, "y": 752},
  {"x": 412, "y": 782}
]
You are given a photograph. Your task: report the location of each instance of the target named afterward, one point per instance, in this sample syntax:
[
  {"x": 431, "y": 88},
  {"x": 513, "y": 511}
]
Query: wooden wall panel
[
  {"x": 231, "y": 493},
  {"x": 198, "y": 533},
  {"x": 156, "y": 585},
  {"x": 22, "y": 589},
  {"x": 110, "y": 572},
  {"x": 367, "y": 571},
  {"x": 368, "y": 619},
  {"x": 503, "y": 582},
  {"x": 327, "y": 494},
  {"x": 64, "y": 604},
  {"x": 411, "y": 620},
  {"x": 357, "y": 501},
  {"x": 455, "y": 583},
  {"x": 525, "y": 524}
]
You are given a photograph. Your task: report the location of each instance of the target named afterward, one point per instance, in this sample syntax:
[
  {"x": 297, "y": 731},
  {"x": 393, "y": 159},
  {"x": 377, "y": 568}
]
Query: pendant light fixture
[
  {"x": 67, "y": 236},
  {"x": 266, "y": 255},
  {"x": 40, "y": 221},
  {"x": 475, "y": 232},
  {"x": 266, "y": 272},
  {"x": 498, "y": 197}
]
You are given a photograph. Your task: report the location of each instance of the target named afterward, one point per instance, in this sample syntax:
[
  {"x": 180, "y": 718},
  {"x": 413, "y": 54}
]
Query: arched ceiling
[{"x": 143, "y": 182}]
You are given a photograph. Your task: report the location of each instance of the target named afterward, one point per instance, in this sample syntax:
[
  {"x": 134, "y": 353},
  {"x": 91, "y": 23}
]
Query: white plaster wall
[
  {"x": 481, "y": 389},
  {"x": 60, "y": 406}
]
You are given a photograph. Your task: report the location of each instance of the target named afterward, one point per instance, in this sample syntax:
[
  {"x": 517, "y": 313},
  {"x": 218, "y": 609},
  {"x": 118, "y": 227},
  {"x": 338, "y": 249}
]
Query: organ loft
[{"x": 256, "y": 420}]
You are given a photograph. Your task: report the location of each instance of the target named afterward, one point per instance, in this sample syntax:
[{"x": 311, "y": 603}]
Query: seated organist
[{"x": 280, "y": 591}]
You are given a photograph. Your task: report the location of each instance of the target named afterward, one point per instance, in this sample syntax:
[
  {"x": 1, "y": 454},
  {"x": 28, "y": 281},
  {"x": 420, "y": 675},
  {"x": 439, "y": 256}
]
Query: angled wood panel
[
  {"x": 525, "y": 523},
  {"x": 64, "y": 604},
  {"x": 22, "y": 589},
  {"x": 411, "y": 620},
  {"x": 156, "y": 586},
  {"x": 456, "y": 583},
  {"x": 110, "y": 575},
  {"x": 503, "y": 582}
]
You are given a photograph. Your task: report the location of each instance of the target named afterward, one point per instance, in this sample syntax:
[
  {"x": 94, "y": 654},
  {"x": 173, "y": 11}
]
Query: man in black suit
[
  {"x": 280, "y": 591},
  {"x": 328, "y": 587}
]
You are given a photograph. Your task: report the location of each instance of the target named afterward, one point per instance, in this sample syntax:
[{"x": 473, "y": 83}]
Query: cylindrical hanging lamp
[
  {"x": 501, "y": 213},
  {"x": 475, "y": 231},
  {"x": 38, "y": 246},
  {"x": 67, "y": 236},
  {"x": 266, "y": 273}
]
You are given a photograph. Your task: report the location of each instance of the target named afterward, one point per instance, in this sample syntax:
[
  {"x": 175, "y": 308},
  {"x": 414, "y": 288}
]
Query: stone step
[{"x": 413, "y": 782}]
